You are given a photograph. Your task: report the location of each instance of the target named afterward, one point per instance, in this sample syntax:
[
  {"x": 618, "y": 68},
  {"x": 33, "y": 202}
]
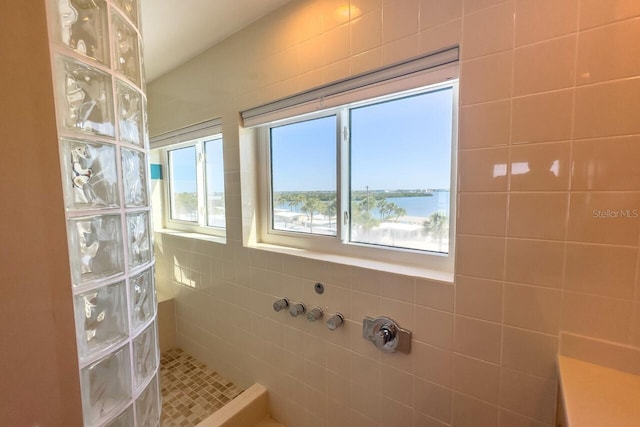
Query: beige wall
[
  {"x": 543, "y": 83},
  {"x": 38, "y": 359}
]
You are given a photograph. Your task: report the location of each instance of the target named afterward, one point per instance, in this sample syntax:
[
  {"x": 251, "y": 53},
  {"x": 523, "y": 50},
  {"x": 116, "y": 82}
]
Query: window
[
  {"x": 362, "y": 168},
  {"x": 195, "y": 191},
  {"x": 372, "y": 178}
]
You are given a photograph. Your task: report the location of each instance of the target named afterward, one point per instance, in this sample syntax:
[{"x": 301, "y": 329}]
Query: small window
[
  {"x": 195, "y": 194},
  {"x": 372, "y": 179}
]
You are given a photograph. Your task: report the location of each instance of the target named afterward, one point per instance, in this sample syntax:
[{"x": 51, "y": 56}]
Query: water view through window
[
  {"x": 184, "y": 184},
  {"x": 303, "y": 176},
  {"x": 399, "y": 176},
  {"x": 401, "y": 172}
]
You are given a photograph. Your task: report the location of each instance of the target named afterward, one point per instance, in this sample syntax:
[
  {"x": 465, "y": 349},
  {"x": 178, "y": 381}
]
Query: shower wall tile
[
  {"x": 619, "y": 60},
  {"x": 606, "y": 164},
  {"x": 532, "y": 307},
  {"x": 479, "y": 298},
  {"x": 606, "y": 217},
  {"x": 542, "y": 117},
  {"x": 434, "y": 38},
  {"x": 484, "y": 170},
  {"x": 541, "y": 144},
  {"x": 535, "y": 262},
  {"x": 476, "y": 378},
  {"x": 608, "y": 271},
  {"x": 528, "y": 395},
  {"x": 488, "y": 31},
  {"x": 483, "y": 214},
  {"x": 538, "y": 20},
  {"x": 529, "y": 352},
  {"x": 433, "y": 327},
  {"x": 538, "y": 215},
  {"x": 478, "y": 338},
  {"x": 486, "y": 79},
  {"x": 480, "y": 257},
  {"x": 434, "y": 12},
  {"x": 473, "y": 412},
  {"x": 594, "y": 13},
  {"x": 540, "y": 167},
  {"x": 432, "y": 399},
  {"x": 557, "y": 71},
  {"x": 606, "y": 109},
  {"x": 436, "y": 295},
  {"x": 400, "y": 19},
  {"x": 432, "y": 363},
  {"x": 472, "y": 6},
  {"x": 484, "y": 125},
  {"x": 614, "y": 316}
]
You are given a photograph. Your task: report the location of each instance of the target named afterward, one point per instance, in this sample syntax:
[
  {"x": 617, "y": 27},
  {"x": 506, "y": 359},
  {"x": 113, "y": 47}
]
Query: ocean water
[
  {"x": 414, "y": 206},
  {"x": 423, "y": 206}
]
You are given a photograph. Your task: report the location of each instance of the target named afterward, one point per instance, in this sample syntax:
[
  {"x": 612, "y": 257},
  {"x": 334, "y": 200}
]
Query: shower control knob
[
  {"x": 314, "y": 314},
  {"x": 281, "y": 304},
  {"x": 297, "y": 309},
  {"x": 384, "y": 335},
  {"x": 335, "y": 321}
]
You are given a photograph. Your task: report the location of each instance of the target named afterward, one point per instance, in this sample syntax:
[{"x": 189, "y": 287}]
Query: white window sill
[
  {"x": 193, "y": 235},
  {"x": 423, "y": 273}
]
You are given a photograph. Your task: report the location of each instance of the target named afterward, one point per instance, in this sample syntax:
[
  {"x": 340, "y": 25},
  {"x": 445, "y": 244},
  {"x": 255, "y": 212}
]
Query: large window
[
  {"x": 364, "y": 178},
  {"x": 195, "y": 192}
]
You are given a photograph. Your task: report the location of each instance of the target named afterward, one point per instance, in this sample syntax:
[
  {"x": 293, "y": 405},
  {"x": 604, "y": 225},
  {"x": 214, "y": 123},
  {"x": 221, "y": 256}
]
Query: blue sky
[
  {"x": 183, "y": 165},
  {"x": 402, "y": 144}
]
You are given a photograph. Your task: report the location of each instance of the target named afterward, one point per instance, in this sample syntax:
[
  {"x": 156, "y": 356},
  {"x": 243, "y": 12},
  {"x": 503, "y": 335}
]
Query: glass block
[
  {"x": 123, "y": 420},
  {"x": 100, "y": 318},
  {"x": 145, "y": 132},
  {"x": 86, "y": 102},
  {"x": 82, "y": 26},
  {"x": 148, "y": 406},
  {"x": 145, "y": 355},
  {"x": 138, "y": 239},
  {"x": 134, "y": 171},
  {"x": 105, "y": 386},
  {"x": 127, "y": 50},
  {"x": 130, "y": 9},
  {"x": 143, "y": 298},
  {"x": 95, "y": 246},
  {"x": 129, "y": 111},
  {"x": 91, "y": 180}
]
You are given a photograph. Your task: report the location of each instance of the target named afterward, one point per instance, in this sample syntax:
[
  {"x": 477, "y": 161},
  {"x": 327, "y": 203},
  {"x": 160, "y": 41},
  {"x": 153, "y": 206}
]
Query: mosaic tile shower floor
[{"x": 190, "y": 391}]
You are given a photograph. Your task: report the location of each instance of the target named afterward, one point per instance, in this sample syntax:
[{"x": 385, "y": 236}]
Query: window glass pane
[
  {"x": 214, "y": 173},
  {"x": 401, "y": 172},
  {"x": 184, "y": 186},
  {"x": 303, "y": 163}
]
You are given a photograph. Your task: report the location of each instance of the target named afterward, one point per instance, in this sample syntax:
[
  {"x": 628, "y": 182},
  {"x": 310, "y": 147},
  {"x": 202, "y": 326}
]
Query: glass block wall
[{"x": 96, "y": 49}]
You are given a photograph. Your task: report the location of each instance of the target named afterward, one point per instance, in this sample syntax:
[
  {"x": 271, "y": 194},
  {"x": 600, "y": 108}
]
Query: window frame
[
  {"x": 340, "y": 244},
  {"x": 201, "y": 225}
]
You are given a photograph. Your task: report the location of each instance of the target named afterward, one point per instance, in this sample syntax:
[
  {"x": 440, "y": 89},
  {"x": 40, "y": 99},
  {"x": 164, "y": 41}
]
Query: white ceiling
[{"x": 175, "y": 31}]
